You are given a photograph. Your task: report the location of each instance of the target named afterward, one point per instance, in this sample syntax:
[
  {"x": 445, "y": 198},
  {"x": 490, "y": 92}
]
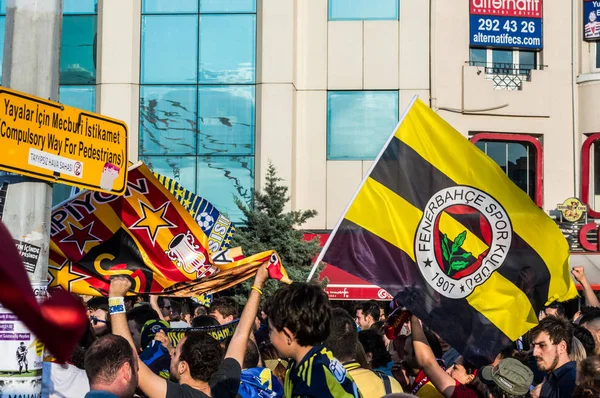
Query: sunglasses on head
[{"x": 96, "y": 320}]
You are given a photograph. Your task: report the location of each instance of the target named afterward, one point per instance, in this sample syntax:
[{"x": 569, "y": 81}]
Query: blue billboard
[{"x": 506, "y": 32}]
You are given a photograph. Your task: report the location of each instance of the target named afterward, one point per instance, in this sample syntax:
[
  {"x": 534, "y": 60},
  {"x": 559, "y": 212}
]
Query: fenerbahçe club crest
[{"x": 455, "y": 262}]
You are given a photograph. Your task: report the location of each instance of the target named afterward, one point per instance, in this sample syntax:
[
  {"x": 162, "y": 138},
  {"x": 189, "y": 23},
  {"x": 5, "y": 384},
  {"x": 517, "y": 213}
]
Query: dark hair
[
  {"x": 370, "y": 308},
  {"x": 586, "y": 338},
  {"x": 105, "y": 357},
  {"x": 78, "y": 355},
  {"x": 497, "y": 392},
  {"x": 558, "y": 330},
  {"x": 186, "y": 308},
  {"x": 226, "y": 306},
  {"x": 343, "y": 337},
  {"x": 590, "y": 314},
  {"x": 560, "y": 309},
  {"x": 476, "y": 385},
  {"x": 588, "y": 373},
  {"x": 202, "y": 353},
  {"x": 251, "y": 356},
  {"x": 586, "y": 392},
  {"x": 373, "y": 343},
  {"x": 141, "y": 314},
  {"x": 304, "y": 309},
  {"x": 434, "y": 343},
  {"x": 201, "y": 310},
  {"x": 204, "y": 320},
  {"x": 379, "y": 327},
  {"x": 98, "y": 303}
]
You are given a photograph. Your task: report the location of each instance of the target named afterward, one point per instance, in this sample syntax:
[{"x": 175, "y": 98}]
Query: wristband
[
  {"x": 257, "y": 289},
  {"x": 116, "y": 305}
]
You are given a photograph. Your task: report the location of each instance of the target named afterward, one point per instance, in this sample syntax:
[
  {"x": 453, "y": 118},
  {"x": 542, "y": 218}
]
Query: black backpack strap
[{"x": 387, "y": 385}]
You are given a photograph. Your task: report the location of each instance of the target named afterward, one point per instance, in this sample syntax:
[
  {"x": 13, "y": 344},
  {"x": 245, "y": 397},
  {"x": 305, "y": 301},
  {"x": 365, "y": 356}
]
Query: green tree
[{"x": 269, "y": 226}]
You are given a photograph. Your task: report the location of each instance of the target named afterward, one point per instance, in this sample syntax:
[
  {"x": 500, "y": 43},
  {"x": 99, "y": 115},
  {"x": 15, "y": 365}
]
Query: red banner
[{"x": 508, "y": 8}]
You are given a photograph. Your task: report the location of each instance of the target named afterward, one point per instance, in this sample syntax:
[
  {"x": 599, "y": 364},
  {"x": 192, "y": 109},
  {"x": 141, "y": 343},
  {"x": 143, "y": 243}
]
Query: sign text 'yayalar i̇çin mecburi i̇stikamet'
[{"x": 49, "y": 140}]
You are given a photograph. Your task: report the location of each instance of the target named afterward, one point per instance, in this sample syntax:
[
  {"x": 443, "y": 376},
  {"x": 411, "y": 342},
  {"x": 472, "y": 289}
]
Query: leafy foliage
[{"x": 269, "y": 226}]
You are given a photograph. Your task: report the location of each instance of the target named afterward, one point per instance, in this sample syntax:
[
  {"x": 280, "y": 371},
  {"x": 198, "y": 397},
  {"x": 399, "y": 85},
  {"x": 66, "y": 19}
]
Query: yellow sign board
[{"x": 51, "y": 141}]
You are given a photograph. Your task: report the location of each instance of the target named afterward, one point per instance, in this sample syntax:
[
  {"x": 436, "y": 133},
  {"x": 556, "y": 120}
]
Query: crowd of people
[{"x": 297, "y": 344}]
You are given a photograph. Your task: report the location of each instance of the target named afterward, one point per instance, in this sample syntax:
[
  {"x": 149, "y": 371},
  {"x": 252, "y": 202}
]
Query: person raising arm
[
  {"x": 459, "y": 381},
  {"x": 197, "y": 366}
]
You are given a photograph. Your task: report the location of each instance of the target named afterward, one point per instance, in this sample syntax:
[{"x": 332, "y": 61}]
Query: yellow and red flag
[{"x": 145, "y": 234}]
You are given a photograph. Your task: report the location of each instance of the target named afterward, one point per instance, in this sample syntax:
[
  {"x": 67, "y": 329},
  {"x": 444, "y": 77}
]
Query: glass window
[
  {"x": 221, "y": 178},
  {"x": 527, "y": 60},
  {"x": 359, "y": 123},
  {"x": 597, "y": 55},
  {"x": 3, "y": 7},
  {"x": 518, "y": 159},
  {"x": 168, "y": 120},
  {"x": 478, "y": 57},
  {"x": 226, "y": 120},
  {"x": 77, "y": 52},
  {"x": 180, "y": 168},
  {"x": 227, "y": 48},
  {"x": 171, "y": 6},
  {"x": 363, "y": 9},
  {"x": 169, "y": 49},
  {"x": 228, "y": 6},
  {"x": 80, "y": 7},
  {"x": 83, "y": 97},
  {"x": 60, "y": 193}
]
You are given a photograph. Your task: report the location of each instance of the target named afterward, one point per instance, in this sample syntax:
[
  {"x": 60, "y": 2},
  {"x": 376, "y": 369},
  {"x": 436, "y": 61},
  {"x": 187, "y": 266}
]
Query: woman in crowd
[{"x": 459, "y": 381}]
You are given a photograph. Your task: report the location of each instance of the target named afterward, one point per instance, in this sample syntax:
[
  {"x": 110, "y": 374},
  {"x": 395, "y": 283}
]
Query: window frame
[
  {"x": 522, "y": 138},
  {"x": 586, "y": 150}
]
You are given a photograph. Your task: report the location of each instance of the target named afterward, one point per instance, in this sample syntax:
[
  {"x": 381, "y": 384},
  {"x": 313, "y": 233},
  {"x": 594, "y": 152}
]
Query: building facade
[{"x": 214, "y": 90}]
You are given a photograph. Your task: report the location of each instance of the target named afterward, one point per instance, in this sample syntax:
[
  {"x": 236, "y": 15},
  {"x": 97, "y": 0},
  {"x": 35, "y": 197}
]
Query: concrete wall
[{"x": 301, "y": 55}]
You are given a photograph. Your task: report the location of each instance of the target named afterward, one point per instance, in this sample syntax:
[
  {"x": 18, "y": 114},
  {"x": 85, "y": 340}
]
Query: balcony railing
[{"x": 505, "y": 76}]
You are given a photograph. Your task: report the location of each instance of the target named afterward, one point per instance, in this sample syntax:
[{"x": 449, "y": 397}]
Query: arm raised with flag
[{"x": 222, "y": 379}]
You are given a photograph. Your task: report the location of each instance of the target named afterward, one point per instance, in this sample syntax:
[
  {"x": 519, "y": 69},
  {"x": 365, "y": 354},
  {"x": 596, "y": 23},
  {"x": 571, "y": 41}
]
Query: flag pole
[{"x": 337, "y": 225}]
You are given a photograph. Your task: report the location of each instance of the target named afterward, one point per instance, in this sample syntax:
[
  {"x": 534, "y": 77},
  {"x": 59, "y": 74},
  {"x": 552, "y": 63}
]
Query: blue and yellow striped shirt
[{"x": 319, "y": 374}]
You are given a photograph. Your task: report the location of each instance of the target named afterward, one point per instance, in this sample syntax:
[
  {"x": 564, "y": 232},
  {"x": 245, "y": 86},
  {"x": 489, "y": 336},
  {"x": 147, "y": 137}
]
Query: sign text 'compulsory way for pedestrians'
[{"x": 54, "y": 142}]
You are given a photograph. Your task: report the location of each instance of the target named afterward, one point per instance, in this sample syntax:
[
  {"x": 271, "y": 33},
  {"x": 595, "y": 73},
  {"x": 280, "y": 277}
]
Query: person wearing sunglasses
[{"x": 98, "y": 315}]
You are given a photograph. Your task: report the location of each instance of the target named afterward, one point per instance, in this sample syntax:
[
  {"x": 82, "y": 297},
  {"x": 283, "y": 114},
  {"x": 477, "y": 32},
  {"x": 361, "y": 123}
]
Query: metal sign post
[{"x": 31, "y": 65}]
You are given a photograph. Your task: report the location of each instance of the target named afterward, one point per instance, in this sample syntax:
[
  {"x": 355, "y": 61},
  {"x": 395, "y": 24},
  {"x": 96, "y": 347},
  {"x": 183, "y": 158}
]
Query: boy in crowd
[{"x": 299, "y": 322}]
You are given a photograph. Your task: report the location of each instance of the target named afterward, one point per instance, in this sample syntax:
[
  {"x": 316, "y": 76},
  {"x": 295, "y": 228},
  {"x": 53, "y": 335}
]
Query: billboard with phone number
[{"x": 511, "y": 24}]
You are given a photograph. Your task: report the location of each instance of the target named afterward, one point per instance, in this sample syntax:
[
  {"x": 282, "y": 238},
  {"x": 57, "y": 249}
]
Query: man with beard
[
  {"x": 551, "y": 341},
  {"x": 199, "y": 368}
]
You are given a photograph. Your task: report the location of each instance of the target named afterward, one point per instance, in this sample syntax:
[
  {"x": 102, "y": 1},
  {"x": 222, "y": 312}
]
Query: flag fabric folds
[
  {"x": 145, "y": 234},
  {"x": 438, "y": 223},
  {"x": 215, "y": 225}
]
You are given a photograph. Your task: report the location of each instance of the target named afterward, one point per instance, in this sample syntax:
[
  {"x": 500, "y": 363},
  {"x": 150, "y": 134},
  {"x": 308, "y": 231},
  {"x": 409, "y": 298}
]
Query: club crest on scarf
[
  {"x": 188, "y": 256},
  {"x": 454, "y": 260}
]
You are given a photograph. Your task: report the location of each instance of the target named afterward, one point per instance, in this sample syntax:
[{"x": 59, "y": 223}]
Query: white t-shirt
[{"x": 63, "y": 380}]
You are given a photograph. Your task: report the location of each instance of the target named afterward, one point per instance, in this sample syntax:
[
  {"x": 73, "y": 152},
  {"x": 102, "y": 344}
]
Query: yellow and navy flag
[
  {"x": 147, "y": 235},
  {"x": 438, "y": 223}
]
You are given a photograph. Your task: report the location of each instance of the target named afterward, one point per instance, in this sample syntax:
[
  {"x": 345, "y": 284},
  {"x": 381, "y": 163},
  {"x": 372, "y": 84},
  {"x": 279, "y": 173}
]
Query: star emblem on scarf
[
  {"x": 65, "y": 274},
  {"x": 81, "y": 236},
  {"x": 153, "y": 220}
]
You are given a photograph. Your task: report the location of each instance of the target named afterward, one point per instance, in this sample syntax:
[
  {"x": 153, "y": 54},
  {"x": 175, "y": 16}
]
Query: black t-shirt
[{"x": 224, "y": 383}]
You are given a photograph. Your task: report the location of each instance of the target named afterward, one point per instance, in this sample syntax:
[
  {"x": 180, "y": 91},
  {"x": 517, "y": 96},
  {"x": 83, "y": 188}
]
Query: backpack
[{"x": 385, "y": 379}]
